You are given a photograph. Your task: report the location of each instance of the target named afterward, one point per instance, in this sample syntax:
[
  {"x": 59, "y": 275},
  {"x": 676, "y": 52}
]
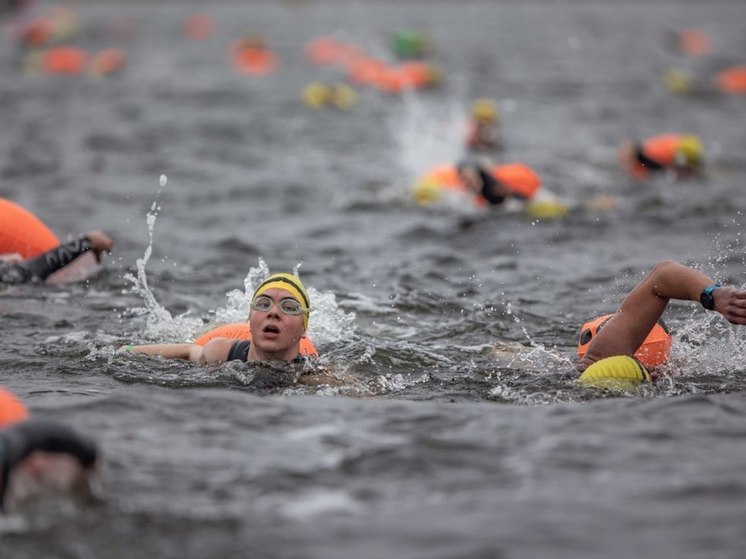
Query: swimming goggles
[{"x": 287, "y": 305}]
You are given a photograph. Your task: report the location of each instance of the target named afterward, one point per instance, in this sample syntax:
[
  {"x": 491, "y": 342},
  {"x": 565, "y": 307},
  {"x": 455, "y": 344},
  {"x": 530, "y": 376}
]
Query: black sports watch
[{"x": 706, "y": 298}]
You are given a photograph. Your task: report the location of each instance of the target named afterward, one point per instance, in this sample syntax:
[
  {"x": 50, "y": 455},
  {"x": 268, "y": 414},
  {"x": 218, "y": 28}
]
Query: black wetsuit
[
  {"x": 44, "y": 265},
  {"x": 240, "y": 352},
  {"x": 20, "y": 440},
  {"x": 645, "y": 161},
  {"x": 492, "y": 191},
  {"x": 491, "y": 188}
]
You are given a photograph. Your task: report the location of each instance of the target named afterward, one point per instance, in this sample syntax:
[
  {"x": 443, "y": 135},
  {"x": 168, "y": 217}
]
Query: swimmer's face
[{"x": 273, "y": 332}]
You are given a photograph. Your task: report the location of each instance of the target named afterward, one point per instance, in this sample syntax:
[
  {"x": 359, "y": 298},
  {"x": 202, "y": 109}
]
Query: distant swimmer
[
  {"x": 609, "y": 356},
  {"x": 278, "y": 320},
  {"x": 42, "y": 268},
  {"x": 730, "y": 80},
  {"x": 485, "y": 183},
  {"x": 38, "y": 454},
  {"x": 484, "y": 126},
  {"x": 680, "y": 154}
]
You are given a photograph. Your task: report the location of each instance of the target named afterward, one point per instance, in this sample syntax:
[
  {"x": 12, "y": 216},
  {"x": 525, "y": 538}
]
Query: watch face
[{"x": 707, "y": 300}]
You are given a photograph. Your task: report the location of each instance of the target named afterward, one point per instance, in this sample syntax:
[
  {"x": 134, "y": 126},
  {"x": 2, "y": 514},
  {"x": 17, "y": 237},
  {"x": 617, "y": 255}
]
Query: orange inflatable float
[
  {"x": 732, "y": 80},
  {"x": 199, "y": 27},
  {"x": 12, "y": 409},
  {"x": 22, "y": 232},
  {"x": 520, "y": 179},
  {"x": 694, "y": 42},
  {"x": 63, "y": 60},
  {"x": 653, "y": 352},
  {"x": 108, "y": 62},
  {"x": 241, "y": 331},
  {"x": 250, "y": 56}
]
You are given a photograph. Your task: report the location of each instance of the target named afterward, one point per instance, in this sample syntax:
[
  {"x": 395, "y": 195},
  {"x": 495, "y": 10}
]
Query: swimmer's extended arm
[
  {"x": 214, "y": 351},
  {"x": 188, "y": 352},
  {"x": 44, "y": 265},
  {"x": 645, "y": 304}
]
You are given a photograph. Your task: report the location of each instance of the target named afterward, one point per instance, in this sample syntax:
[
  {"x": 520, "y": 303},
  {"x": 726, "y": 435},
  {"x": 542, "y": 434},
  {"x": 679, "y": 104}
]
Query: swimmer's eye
[{"x": 287, "y": 305}]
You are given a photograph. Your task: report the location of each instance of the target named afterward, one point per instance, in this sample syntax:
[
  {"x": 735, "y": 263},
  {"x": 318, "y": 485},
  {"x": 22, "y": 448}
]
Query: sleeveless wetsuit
[
  {"x": 44, "y": 265},
  {"x": 239, "y": 351}
]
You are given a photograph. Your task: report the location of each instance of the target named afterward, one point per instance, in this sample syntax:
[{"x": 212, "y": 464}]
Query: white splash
[{"x": 428, "y": 133}]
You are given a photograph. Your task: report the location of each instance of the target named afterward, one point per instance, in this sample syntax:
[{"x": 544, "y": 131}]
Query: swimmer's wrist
[
  {"x": 707, "y": 298},
  {"x": 127, "y": 349}
]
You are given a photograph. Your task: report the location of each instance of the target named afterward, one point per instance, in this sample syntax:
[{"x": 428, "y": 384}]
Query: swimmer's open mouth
[{"x": 271, "y": 328}]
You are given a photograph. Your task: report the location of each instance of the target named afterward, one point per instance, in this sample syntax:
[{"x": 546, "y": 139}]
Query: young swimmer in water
[
  {"x": 610, "y": 351},
  {"x": 14, "y": 270},
  {"x": 278, "y": 319},
  {"x": 36, "y": 454}
]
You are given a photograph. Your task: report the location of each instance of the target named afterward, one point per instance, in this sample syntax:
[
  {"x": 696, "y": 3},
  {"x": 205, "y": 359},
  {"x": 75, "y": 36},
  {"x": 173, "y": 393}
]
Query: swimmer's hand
[
  {"x": 100, "y": 242},
  {"x": 731, "y": 303}
]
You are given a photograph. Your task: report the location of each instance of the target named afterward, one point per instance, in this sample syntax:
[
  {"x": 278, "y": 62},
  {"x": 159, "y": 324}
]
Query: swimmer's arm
[
  {"x": 214, "y": 351},
  {"x": 645, "y": 304},
  {"x": 188, "y": 352}
]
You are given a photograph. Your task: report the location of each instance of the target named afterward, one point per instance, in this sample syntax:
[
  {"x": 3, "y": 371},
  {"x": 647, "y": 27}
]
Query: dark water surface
[{"x": 466, "y": 435}]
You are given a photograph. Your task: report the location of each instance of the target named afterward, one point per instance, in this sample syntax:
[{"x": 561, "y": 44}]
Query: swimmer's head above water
[{"x": 279, "y": 314}]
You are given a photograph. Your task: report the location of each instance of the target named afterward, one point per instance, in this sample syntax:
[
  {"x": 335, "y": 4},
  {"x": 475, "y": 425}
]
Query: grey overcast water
[{"x": 466, "y": 435}]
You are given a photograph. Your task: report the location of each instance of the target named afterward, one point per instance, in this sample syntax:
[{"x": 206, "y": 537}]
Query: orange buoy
[
  {"x": 255, "y": 61},
  {"x": 391, "y": 81},
  {"x": 694, "y": 42},
  {"x": 241, "y": 331},
  {"x": 107, "y": 62},
  {"x": 199, "y": 27},
  {"x": 37, "y": 33},
  {"x": 520, "y": 179},
  {"x": 417, "y": 74},
  {"x": 12, "y": 409},
  {"x": 445, "y": 176},
  {"x": 22, "y": 232},
  {"x": 63, "y": 60},
  {"x": 323, "y": 50},
  {"x": 653, "y": 352},
  {"x": 364, "y": 70},
  {"x": 732, "y": 80}
]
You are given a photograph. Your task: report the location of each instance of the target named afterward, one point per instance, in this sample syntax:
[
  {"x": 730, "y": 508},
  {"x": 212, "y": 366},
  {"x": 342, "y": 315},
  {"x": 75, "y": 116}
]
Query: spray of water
[{"x": 427, "y": 133}]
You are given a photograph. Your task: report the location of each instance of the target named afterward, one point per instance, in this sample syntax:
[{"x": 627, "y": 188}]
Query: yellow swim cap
[
  {"x": 315, "y": 95},
  {"x": 620, "y": 371},
  {"x": 485, "y": 109},
  {"x": 690, "y": 150},
  {"x": 677, "y": 81},
  {"x": 289, "y": 283},
  {"x": 426, "y": 191}
]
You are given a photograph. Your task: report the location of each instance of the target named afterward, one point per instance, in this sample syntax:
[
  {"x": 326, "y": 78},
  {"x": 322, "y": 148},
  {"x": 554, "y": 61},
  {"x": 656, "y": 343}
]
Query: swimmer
[
  {"x": 484, "y": 126},
  {"x": 37, "y": 454},
  {"x": 641, "y": 309},
  {"x": 15, "y": 270},
  {"x": 278, "y": 319},
  {"x": 680, "y": 154},
  {"x": 482, "y": 184}
]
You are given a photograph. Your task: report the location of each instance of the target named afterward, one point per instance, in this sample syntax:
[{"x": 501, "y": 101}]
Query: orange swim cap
[
  {"x": 653, "y": 352},
  {"x": 12, "y": 409}
]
